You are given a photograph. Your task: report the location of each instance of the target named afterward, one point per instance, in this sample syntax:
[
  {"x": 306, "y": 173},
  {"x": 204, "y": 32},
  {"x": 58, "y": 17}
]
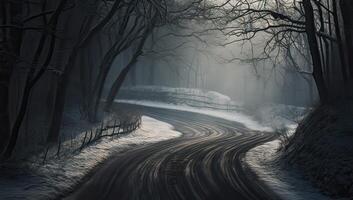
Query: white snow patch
[
  {"x": 260, "y": 117},
  {"x": 288, "y": 184},
  {"x": 191, "y": 92},
  {"x": 280, "y": 116},
  {"x": 231, "y": 115},
  {"x": 187, "y": 96},
  {"x": 59, "y": 175},
  {"x": 220, "y": 97}
]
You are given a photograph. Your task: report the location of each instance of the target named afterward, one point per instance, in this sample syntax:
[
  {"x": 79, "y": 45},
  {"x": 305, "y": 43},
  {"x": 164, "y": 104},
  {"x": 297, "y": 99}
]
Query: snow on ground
[
  {"x": 190, "y": 93},
  {"x": 59, "y": 175},
  {"x": 228, "y": 115},
  {"x": 280, "y": 116},
  {"x": 287, "y": 183},
  {"x": 267, "y": 117},
  {"x": 186, "y": 96}
]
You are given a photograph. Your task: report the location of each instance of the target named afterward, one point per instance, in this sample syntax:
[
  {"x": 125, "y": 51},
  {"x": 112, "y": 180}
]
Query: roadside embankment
[{"x": 322, "y": 148}]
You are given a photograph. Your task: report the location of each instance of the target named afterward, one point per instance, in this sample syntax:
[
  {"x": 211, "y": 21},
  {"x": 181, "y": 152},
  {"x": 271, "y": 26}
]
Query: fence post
[
  {"x": 101, "y": 129},
  {"x": 59, "y": 146},
  {"x": 84, "y": 140},
  {"x": 114, "y": 127},
  {"x": 45, "y": 155},
  {"x": 71, "y": 138},
  {"x": 96, "y": 134},
  {"x": 118, "y": 130},
  {"x": 90, "y": 136}
]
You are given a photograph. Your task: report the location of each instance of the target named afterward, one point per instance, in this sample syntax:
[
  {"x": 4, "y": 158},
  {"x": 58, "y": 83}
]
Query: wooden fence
[{"x": 88, "y": 137}]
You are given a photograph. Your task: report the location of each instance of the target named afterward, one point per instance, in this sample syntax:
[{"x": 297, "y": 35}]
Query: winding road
[{"x": 205, "y": 163}]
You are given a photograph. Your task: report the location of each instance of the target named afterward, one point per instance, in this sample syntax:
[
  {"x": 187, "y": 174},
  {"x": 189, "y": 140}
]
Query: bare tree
[
  {"x": 9, "y": 52},
  {"x": 281, "y": 21}
]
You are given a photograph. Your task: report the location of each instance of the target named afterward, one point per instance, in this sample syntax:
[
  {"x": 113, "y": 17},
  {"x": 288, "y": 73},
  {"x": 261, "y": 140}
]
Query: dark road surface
[{"x": 205, "y": 163}]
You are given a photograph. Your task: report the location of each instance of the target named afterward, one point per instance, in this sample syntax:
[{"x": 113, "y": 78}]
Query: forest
[{"x": 72, "y": 70}]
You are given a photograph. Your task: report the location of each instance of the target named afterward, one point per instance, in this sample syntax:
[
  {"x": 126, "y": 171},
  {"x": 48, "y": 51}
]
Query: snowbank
[
  {"x": 268, "y": 117},
  {"x": 59, "y": 175},
  {"x": 228, "y": 115},
  {"x": 287, "y": 183},
  {"x": 280, "y": 116},
  {"x": 191, "y": 93},
  {"x": 322, "y": 149},
  {"x": 181, "y": 96}
]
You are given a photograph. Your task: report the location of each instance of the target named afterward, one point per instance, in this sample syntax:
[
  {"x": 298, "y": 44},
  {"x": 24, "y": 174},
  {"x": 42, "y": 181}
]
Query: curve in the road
[{"x": 205, "y": 163}]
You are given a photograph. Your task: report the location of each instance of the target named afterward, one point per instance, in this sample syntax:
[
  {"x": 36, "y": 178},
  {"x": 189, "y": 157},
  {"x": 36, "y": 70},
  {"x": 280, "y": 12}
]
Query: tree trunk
[
  {"x": 314, "y": 50},
  {"x": 59, "y": 104},
  {"x": 31, "y": 81},
  {"x": 10, "y": 44},
  {"x": 117, "y": 85},
  {"x": 5, "y": 73},
  {"x": 85, "y": 70},
  {"x": 64, "y": 78},
  {"x": 347, "y": 15},
  {"x": 343, "y": 60},
  {"x": 108, "y": 60},
  {"x": 120, "y": 79},
  {"x": 83, "y": 82},
  {"x": 99, "y": 86}
]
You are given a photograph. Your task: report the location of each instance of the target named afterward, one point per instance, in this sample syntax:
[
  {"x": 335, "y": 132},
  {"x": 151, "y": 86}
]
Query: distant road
[{"x": 205, "y": 163}]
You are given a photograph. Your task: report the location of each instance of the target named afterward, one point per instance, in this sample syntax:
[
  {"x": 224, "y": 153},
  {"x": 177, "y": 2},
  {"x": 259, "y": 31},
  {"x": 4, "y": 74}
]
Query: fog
[
  {"x": 227, "y": 75},
  {"x": 210, "y": 63}
]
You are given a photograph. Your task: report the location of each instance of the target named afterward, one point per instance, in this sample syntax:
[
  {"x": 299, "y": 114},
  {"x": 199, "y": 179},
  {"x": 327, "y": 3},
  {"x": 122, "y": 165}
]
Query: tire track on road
[{"x": 205, "y": 163}]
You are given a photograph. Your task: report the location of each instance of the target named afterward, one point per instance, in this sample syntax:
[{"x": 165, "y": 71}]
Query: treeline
[
  {"x": 316, "y": 31},
  {"x": 56, "y": 53}
]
